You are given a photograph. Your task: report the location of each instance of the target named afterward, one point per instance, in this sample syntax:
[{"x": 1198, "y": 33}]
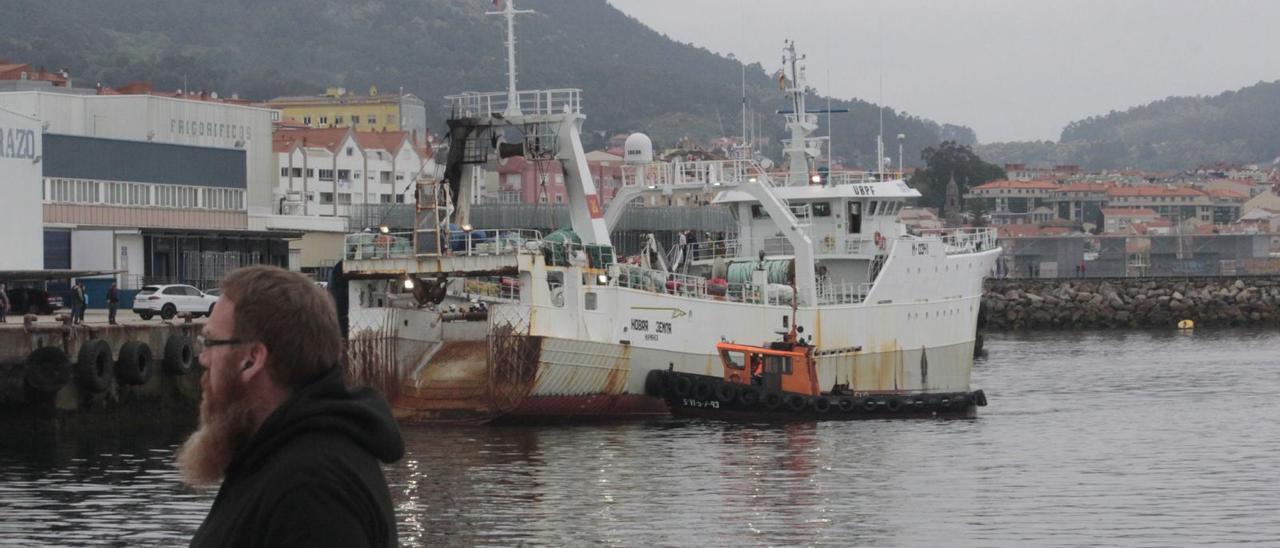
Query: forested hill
[
  {"x": 633, "y": 77},
  {"x": 1174, "y": 133}
]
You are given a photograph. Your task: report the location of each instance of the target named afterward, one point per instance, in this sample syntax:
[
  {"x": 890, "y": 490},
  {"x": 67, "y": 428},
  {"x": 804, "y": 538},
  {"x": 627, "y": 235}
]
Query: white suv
[{"x": 168, "y": 301}]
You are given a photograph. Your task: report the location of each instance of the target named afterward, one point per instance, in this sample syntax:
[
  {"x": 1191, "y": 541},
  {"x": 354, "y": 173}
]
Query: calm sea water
[{"x": 1116, "y": 438}]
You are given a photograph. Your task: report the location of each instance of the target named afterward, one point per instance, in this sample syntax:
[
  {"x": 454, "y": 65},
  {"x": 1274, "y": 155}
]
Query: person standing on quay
[
  {"x": 296, "y": 451},
  {"x": 113, "y": 302},
  {"x": 77, "y": 302}
]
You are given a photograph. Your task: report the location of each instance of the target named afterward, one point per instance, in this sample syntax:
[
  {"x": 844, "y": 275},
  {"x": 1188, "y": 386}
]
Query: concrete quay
[
  {"x": 52, "y": 370},
  {"x": 1091, "y": 303}
]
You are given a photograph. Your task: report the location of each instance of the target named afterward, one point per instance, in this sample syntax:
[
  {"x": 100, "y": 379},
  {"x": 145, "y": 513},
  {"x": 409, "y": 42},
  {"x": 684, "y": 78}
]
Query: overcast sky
[{"x": 1009, "y": 69}]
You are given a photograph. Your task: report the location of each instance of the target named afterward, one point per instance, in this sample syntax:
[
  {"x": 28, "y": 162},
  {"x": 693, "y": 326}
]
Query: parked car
[
  {"x": 24, "y": 300},
  {"x": 168, "y": 301}
]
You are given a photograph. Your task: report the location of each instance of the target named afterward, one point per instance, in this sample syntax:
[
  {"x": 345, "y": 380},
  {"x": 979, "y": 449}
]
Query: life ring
[
  {"x": 93, "y": 365},
  {"x": 726, "y": 392},
  {"x": 135, "y": 363},
  {"x": 796, "y": 403},
  {"x": 821, "y": 405},
  {"x": 47, "y": 369},
  {"x": 749, "y": 395},
  {"x": 653, "y": 383},
  {"x": 178, "y": 356}
]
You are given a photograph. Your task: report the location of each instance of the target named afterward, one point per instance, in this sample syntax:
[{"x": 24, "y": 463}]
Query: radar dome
[{"x": 638, "y": 149}]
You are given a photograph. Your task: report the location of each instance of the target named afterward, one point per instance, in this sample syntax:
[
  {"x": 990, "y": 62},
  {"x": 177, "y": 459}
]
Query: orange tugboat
[{"x": 780, "y": 382}]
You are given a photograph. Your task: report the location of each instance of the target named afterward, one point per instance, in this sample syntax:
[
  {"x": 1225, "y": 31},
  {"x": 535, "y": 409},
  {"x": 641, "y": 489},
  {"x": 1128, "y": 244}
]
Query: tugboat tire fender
[
  {"x": 684, "y": 386},
  {"x": 749, "y": 396},
  {"x": 980, "y": 398},
  {"x": 845, "y": 404},
  {"x": 821, "y": 405},
  {"x": 178, "y": 355},
  {"x": 869, "y": 404},
  {"x": 135, "y": 364},
  {"x": 653, "y": 383},
  {"x": 47, "y": 369},
  {"x": 703, "y": 391},
  {"x": 771, "y": 400},
  {"x": 726, "y": 392},
  {"x": 93, "y": 365},
  {"x": 796, "y": 403},
  {"x": 893, "y": 404}
]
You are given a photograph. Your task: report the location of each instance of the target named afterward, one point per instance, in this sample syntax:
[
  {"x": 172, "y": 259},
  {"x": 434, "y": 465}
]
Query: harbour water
[{"x": 1132, "y": 438}]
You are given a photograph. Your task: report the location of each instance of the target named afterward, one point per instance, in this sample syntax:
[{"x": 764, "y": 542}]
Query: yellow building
[{"x": 340, "y": 108}]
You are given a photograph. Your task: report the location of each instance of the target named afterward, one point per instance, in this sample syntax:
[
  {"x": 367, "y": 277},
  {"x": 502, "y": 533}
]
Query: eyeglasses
[{"x": 206, "y": 342}]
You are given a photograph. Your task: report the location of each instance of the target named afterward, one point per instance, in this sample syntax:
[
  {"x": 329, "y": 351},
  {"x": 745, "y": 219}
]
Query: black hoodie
[{"x": 310, "y": 475}]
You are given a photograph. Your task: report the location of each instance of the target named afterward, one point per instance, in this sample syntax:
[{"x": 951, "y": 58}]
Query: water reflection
[{"x": 1129, "y": 438}]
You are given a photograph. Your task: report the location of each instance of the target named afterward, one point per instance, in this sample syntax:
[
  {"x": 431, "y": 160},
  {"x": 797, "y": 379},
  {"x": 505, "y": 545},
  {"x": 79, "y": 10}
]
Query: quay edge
[{"x": 53, "y": 374}]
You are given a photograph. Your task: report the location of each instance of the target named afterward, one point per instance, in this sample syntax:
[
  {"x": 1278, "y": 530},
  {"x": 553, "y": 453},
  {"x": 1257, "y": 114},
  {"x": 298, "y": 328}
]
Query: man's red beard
[{"x": 226, "y": 424}]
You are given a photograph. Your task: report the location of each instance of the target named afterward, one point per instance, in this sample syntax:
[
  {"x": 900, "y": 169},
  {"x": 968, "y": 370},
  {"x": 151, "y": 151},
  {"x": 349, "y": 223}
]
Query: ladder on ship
[{"x": 426, "y": 219}]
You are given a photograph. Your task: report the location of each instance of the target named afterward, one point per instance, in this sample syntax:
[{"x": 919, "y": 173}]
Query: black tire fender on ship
[
  {"x": 684, "y": 386},
  {"x": 944, "y": 403},
  {"x": 93, "y": 365},
  {"x": 771, "y": 400},
  {"x": 893, "y": 404},
  {"x": 726, "y": 392},
  {"x": 47, "y": 369},
  {"x": 846, "y": 404},
  {"x": 869, "y": 404},
  {"x": 135, "y": 363},
  {"x": 179, "y": 358},
  {"x": 796, "y": 403},
  {"x": 821, "y": 404},
  {"x": 653, "y": 383},
  {"x": 749, "y": 396},
  {"x": 980, "y": 398},
  {"x": 703, "y": 391}
]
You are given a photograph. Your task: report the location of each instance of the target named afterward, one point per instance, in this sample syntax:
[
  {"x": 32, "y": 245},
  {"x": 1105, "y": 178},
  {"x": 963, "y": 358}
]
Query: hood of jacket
[{"x": 325, "y": 405}]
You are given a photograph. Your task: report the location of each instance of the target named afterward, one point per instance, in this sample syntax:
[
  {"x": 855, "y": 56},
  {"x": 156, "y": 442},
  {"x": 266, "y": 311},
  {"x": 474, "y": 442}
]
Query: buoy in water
[{"x": 1186, "y": 324}]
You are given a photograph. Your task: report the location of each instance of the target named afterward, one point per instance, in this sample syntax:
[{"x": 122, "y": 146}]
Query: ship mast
[
  {"x": 510, "y": 12},
  {"x": 800, "y": 122}
]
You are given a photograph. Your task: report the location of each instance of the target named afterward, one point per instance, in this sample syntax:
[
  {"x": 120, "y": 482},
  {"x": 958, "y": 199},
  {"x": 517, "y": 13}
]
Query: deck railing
[
  {"x": 968, "y": 240},
  {"x": 399, "y": 245},
  {"x": 534, "y": 102}
]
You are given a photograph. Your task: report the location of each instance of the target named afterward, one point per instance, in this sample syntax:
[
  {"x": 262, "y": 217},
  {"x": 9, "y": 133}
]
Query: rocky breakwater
[{"x": 1130, "y": 302}]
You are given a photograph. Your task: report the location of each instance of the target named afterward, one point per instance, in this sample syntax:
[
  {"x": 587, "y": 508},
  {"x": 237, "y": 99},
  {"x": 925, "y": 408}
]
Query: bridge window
[{"x": 821, "y": 209}]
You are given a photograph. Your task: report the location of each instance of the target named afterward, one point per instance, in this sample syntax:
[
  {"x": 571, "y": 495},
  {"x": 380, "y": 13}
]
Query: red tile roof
[
  {"x": 1226, "y": 194},
  {"x": 1128, "y": 212},
  {"x": 1154, "y": 190},
  {"x": 1085, "y": 187},
  {"x": 1035, "y": 185}
]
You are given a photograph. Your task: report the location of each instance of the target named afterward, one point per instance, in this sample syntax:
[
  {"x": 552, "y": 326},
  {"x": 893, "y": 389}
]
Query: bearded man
[{"x": 296, "y": 451}]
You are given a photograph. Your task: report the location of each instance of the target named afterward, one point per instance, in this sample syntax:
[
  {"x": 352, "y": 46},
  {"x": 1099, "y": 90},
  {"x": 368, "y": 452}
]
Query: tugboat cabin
[{"x": 783, "y": 366}]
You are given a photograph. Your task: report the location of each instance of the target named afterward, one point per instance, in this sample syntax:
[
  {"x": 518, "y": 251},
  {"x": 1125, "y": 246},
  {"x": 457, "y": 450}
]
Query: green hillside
[
  {"x": 633, "y": 77},
  {"x": 1170, "y": 134}
]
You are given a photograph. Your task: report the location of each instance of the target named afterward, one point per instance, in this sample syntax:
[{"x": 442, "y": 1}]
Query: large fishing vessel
[{"x": 456, "y": 324}]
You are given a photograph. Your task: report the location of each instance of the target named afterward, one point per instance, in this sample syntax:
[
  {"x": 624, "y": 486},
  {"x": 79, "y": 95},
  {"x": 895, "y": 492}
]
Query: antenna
[
  {"x": 510, "y": 12},
  {"x": 880, "y": 137}
]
